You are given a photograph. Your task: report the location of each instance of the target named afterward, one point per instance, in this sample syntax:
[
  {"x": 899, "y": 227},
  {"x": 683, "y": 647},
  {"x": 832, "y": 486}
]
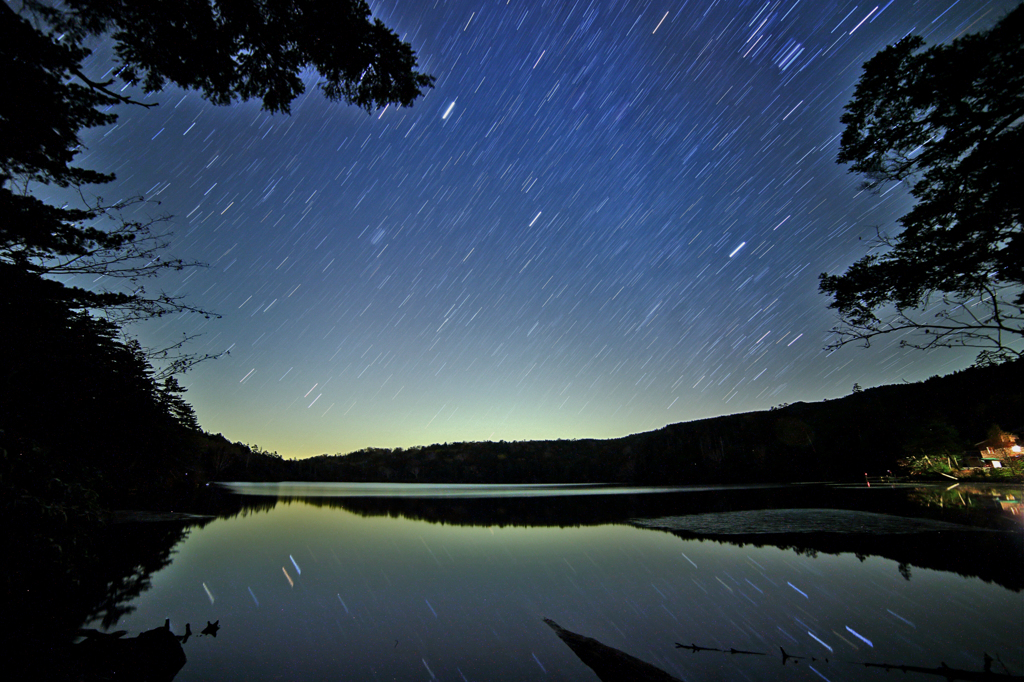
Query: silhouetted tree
[
  {"x": 946, "y": 120},
  {"x": 70, "y": 382},
  {"x": 171, "y": 399}
]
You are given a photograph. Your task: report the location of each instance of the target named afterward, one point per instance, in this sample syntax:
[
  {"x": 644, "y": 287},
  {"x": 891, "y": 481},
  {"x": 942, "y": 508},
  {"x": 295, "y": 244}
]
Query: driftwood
[{"x": 154, "y": 656}]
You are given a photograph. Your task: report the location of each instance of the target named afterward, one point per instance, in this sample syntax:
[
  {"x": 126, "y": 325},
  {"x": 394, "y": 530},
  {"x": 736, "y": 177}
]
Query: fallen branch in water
[{"x": 942, "y": 670}]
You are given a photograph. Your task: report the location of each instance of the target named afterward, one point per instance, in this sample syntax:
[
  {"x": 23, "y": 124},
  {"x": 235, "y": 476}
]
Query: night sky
[{"x": 606, "y": 217}]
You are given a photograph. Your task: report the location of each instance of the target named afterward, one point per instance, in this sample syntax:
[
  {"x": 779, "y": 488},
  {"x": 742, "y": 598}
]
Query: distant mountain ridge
[{"x": 865, "y": 432}]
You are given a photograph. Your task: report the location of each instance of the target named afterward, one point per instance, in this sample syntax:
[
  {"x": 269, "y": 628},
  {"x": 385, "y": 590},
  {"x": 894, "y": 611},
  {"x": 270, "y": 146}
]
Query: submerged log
[{"x": 611, "y": 665}]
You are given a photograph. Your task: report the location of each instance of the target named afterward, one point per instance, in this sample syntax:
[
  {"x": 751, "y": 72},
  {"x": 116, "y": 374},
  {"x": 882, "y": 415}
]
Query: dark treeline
[
  {"x": 82, "y": 404},
  {"x": 868, "y": 431}
]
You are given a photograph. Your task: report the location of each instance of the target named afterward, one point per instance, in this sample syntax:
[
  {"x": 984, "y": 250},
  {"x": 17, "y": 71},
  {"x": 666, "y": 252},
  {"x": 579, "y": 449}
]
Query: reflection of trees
[
  {"x": 974, "y": 504},
  {"x": 112, "y": 565},
  {"x": 131, "y": 554},
  {"x": 995, "y": 557},
  {"x": 560, "y": 511},
  {"x": 244, "y": 505},
  {"x": 990, "y": 555},
  {"x": 932, "y": 502},
  {"x": 489, "y": 512}
]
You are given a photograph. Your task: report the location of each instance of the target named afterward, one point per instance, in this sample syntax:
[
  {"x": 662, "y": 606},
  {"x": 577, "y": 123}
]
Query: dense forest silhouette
[{"x": 868, "y": 431}]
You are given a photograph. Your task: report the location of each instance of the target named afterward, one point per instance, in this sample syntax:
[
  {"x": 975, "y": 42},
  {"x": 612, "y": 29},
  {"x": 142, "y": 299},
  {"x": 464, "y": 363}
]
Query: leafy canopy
[
  {"x": 245, "y": 49},
  {"x": 228, "y": 50},
  {"x": 946, "y": 120}
]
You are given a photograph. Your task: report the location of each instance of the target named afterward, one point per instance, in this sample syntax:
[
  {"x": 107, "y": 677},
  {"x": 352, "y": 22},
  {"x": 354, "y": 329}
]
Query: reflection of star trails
[
  {"x": 819, "y": 641},
  {"x": 290, "y": 581},
  {"x": 902, "y": 618},
  {"x": 860, "y": 637}
]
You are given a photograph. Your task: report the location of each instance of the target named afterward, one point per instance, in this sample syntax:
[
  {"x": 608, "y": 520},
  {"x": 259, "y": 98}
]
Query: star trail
[{"x": 606, "y": 217}]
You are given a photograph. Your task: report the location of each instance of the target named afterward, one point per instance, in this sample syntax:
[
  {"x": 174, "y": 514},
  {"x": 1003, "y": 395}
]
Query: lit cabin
[{"x": 993, "y": 451}]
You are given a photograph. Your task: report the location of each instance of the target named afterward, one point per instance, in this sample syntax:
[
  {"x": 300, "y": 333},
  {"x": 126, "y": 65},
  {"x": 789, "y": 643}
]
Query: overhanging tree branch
[
  {"x": 173, "y": 360},
  {"x": 947, "y": 119},
  {"x": 101, "y": 87},
  {"x": 130, "y": 251}
]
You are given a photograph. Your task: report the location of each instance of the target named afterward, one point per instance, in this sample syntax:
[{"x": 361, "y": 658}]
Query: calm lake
[{"x": 406, "y": 582}]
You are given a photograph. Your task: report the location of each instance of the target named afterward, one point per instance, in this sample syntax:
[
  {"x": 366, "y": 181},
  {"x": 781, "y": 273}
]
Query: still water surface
[{"x": 397, "y": 582}]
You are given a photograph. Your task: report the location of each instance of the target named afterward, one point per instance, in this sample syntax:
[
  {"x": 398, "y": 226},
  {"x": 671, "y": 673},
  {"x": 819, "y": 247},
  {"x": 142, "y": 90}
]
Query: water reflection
[
  {"x": 111, "y": 567},
  {"x": 586, "y": 504},
  {"x": 915, "y": 526},
  {"x": 978, "y": 501},
  {"x": 378, "y": 587}
]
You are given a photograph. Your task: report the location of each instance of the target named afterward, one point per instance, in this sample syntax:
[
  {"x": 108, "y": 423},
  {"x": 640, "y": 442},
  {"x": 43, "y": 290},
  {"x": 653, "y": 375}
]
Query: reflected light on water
[{"x": 382, "y": 596}]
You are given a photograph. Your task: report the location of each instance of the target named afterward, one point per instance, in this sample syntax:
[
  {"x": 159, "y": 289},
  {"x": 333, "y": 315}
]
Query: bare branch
[
  {"x": 101, "y": 87},
  {"x": 955, "y": 325},
  {"x": 130, "y": 251},
  {"x": 173, "y": 360}
]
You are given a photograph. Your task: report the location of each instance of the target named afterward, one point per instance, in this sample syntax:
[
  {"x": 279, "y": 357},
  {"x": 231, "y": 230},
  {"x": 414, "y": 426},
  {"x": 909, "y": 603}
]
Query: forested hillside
[{"x": 865, "y": 432}]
